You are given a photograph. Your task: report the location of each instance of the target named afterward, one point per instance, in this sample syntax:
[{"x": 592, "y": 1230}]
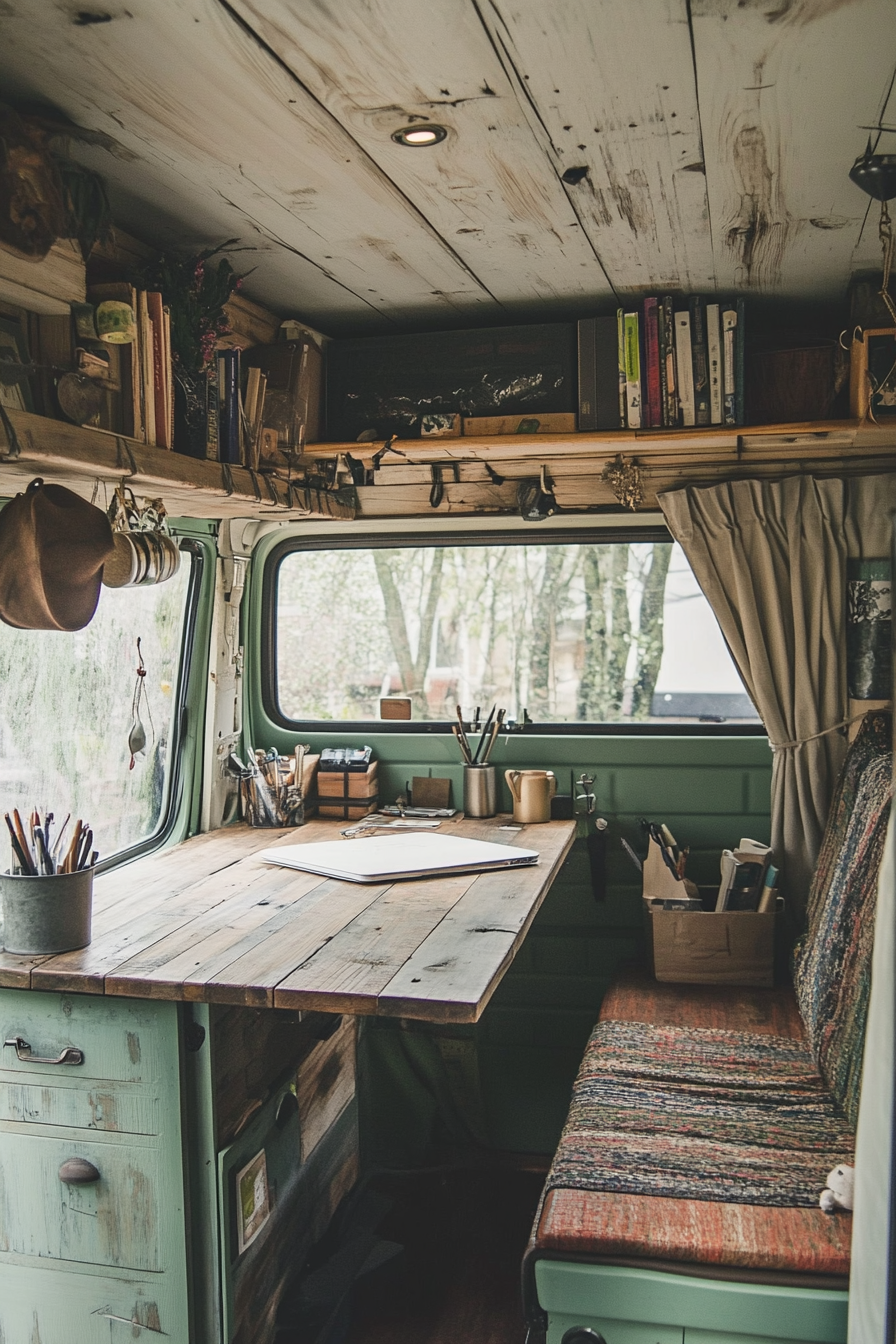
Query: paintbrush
[
  {"x": 462, "y": 743},
  {"x": 23, "y": 843},
  {"x": 484, "y": 734},
  {"x": 19, "y": 855},
  {"x": 465, "y": 745}
]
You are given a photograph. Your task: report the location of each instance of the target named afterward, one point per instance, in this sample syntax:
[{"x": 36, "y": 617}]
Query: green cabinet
[{"x": 92, "y": 1210}]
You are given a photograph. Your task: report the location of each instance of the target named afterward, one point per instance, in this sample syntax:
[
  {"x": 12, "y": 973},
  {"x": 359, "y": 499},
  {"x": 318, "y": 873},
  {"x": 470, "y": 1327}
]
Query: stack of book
[
  {"x": 142, "y": 402},
  {"x": 667, "y": 364}
]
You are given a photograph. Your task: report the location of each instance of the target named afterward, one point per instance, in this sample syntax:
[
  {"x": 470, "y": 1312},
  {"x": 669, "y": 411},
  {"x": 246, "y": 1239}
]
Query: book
[
  {"x": 653, "y": 418},
  {"x": 598, "y": 375},
  {"x": 632, "y": 371},
  {"x": 714, "y": 362},
  {"x": 668, "y": 379},
  {"x": 729, "y": 338},
  {"x": 684, "y": 367},
  {"x": 739, "y": 389},
  {"x": 229, "y": 406},
  {"x": 147, "y": 367},
  {"x": 697, "y": 309},
  {"x": 211, "y": 412},
  {"x": 620, "y": 365},
  {"x": 160, "y": 369}
]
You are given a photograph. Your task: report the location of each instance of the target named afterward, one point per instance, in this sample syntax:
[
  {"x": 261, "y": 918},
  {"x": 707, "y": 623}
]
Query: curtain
[
  {"x": 871, "y": 1229},
  {"x": 771, "y": 558}
]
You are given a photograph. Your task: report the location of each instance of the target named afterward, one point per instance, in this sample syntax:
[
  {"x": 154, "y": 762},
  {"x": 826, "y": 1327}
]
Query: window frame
[
  {"x": 485, "y": 537},
  {"x": 180, "y": 736}
]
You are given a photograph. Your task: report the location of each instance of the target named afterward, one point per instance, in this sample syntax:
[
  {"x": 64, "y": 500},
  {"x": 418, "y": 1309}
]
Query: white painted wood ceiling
[{"x": 717, "y": 136}]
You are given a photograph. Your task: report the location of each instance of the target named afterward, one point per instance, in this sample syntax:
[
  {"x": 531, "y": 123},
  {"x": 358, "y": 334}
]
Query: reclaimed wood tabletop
[{"x": 210, "y": 921}]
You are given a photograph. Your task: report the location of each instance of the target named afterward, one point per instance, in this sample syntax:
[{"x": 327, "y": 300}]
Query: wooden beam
[
  {"x": 611, "y": 90},
  {"x": 78, "y": 457},
  {"x": 784, "y": 88},
  {"x": 488, "y": 189},
  {"x": 223, "y": 136}
]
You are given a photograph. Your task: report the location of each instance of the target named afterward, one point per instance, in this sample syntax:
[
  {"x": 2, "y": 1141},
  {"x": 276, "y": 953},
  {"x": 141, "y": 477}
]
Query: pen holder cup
[
  {"x": 46, "y": 914},
  {"x": 480, "y": 791}
]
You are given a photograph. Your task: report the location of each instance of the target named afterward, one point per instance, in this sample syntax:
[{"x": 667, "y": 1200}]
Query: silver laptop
[{"x": 390, "y": 858}]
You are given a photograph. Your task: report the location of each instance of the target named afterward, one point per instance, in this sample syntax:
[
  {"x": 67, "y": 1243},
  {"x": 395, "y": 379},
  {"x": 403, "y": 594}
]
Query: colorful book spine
[
  {"x": 671, "y": 409},
  {"x": 729, "y": 353},
  {"x": 632, "y": 371},
  {"x": 714, "y": 362},
  {"x": 697, "y": 309},
  {"x": 740, "y": 417},
  {"x": 684, "y": 366},
  {"x": 211, "y": 412},
  {"x": 620, "y": 357},
  {"x": 652, "y": 399}
]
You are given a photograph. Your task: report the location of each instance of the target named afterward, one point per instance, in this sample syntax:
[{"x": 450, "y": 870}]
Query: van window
[
  {"x": 606, "y": 632},
  {"x": 66, "y": 714}
]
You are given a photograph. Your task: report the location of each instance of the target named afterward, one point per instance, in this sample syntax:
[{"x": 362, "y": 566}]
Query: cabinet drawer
[
  {"x": 614, "y": 1332},
  {"x": 132, "y": 1217},
  {"x": 54, "y": 1306},
  {"x": 93, "y": 1105},
  {"x": 121, "y": 1040}
]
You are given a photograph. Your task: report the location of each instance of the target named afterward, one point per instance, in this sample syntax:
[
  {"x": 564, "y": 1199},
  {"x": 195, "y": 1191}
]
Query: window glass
[
  {"x": 574, "y": 633},
  {"x": 66, "y": 714}
]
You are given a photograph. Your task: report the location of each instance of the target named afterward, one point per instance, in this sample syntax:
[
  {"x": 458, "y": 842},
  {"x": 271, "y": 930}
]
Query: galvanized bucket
[{"x": 46, "y": 914}]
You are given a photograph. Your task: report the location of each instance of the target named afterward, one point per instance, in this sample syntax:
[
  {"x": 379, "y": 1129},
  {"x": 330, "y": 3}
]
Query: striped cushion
[
  {"x": 832, "y": 962},
  {"x": 700, "y": 1114}
]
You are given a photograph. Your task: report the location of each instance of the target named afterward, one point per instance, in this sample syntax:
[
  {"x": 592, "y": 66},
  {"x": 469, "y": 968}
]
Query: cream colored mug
[{"x": 532, "y": 792}]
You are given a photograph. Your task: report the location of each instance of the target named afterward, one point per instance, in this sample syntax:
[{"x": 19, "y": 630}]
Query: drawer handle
[
  {"x": 78, "y": 1171},
  {"x": 70, "y": 1055}
]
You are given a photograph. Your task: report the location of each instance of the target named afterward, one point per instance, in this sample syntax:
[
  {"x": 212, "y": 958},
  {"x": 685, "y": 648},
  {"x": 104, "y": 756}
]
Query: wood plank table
[{"x": 208, "y": 921}]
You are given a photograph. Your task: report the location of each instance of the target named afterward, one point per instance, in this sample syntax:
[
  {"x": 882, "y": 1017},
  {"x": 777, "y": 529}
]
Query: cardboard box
[
  {"x": 541, "y": 422},
  {"x": 693, "y": 947}
]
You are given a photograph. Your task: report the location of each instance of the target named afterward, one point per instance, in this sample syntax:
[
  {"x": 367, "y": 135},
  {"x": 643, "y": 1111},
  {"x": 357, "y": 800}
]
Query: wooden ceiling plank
[
  {"x": 616, "y": 95},
  {"x": 783, "y": 87},
  {"x": 488, "y": 189},
  {"x": 186, "y": 88}
]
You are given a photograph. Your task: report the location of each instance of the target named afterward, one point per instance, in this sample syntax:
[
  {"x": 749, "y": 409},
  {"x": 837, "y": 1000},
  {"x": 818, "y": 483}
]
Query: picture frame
[
  {"x": 872, "y": 377},
  {"x": 253, "y": 1200}
]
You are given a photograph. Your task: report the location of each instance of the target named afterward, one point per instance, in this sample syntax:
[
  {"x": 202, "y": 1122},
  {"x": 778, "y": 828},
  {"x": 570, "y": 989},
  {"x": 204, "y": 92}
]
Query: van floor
[{"x": 464, "y": 1234}]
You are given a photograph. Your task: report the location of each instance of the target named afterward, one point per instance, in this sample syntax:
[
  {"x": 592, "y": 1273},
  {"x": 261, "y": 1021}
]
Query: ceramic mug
[{"x": 532, "y": 791}]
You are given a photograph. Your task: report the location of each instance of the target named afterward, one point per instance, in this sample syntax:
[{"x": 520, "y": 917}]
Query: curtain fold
[{"x": 771, "y": 558}]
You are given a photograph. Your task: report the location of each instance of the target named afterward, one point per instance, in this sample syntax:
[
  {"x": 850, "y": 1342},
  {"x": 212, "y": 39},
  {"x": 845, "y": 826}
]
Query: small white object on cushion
[{"x": 840, "y": 1188}]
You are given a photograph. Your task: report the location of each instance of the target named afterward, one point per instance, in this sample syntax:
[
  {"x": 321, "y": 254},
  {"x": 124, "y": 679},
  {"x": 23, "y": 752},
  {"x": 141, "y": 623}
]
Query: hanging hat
[{"x": 53, "y": 545}]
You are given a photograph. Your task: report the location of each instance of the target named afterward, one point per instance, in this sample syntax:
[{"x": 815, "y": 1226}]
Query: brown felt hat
[{"x": 53, "y": 545}]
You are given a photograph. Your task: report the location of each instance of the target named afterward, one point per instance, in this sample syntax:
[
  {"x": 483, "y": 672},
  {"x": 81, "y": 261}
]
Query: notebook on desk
[{"x": 391, "y": 858}]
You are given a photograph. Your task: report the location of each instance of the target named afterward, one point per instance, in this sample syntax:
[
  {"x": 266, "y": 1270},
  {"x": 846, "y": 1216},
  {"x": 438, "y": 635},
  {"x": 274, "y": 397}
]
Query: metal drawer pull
[
  {"x": 70, "y": 1055},
  {"x": 78, "y": 1171}
]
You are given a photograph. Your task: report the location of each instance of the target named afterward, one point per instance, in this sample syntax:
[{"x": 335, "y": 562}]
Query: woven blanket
[
  {"x": 832, "y": 962},
  {"x": 699, "y": 1114}
]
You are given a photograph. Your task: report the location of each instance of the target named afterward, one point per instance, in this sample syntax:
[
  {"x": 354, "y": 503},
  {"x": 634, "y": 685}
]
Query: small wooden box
[
  {"x": 346, "y": 809},
  {"x": 696, "y": 947}
]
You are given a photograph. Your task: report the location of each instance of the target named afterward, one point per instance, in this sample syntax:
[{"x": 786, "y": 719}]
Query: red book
[{"x": 652, "y": 398}]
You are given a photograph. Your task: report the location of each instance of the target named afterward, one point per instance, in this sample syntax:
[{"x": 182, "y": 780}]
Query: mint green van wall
[{"x": 506, "y": 1082}]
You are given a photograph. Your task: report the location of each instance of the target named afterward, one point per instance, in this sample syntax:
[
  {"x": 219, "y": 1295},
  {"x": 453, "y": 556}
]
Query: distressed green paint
[
  {"x": 75, "y": 1261},
  {"x": 707, "y": 1310}
]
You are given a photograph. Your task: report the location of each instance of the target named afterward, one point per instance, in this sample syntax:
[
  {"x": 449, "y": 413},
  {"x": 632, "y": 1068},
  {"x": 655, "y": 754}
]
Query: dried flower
[{"x": 196, "y": 294}]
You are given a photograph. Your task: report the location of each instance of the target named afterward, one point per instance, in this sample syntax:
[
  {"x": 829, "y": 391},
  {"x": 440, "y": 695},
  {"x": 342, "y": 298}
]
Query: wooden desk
[{"x": 209, "y": 922}]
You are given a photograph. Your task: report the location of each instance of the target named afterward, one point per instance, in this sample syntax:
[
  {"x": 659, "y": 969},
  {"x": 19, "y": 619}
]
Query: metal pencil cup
[
  {"x": 480, "y": 791},
  {"x": 47, "y": 914}
]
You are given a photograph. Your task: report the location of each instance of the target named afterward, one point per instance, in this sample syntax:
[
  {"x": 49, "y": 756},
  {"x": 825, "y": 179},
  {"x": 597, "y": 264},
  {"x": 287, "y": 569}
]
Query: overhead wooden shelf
[
  {"x": 576, "y": 463},
  {"x": 78, "y": 457}
]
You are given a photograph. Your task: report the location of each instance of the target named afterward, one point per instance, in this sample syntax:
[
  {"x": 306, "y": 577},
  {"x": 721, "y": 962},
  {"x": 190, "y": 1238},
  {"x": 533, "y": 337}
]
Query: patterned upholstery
[{"x": 832, "y": 962}]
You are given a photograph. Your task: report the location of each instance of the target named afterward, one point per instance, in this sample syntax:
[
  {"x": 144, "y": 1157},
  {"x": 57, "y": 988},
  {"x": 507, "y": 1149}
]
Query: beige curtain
[{"x": 771, "y": 558}]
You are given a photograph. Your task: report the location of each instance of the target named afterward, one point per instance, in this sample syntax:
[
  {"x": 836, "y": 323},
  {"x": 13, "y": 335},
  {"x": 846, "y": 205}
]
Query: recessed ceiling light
[{"x": 430, "y": 134}]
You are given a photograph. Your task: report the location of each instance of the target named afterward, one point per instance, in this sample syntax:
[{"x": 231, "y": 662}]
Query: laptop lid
[{"x": 390, "y": 858}]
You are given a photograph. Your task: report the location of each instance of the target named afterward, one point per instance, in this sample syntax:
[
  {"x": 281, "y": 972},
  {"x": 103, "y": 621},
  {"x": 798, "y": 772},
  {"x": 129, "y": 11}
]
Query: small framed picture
[
  {"x": 15, "y": 392},
  {"x": 253, "y": 1200}
]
